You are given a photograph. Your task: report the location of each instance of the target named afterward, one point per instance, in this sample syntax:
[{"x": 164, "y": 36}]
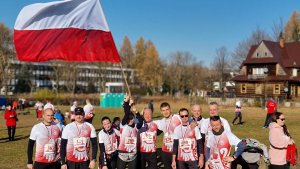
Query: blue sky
[{"x": 197, "y": 26}]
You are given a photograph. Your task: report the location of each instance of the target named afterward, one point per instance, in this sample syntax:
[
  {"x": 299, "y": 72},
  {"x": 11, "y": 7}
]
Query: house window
[
  {"x": 243, "y": 88},
  {"x": 258, "y": 88},
  {"x": 295, "y": 71},
  {"x": 276, "y": 89},
  {"x": 258, "y": 71},
  {"x": 257, "y": 55},
  {"x": 266, "y": 53}
]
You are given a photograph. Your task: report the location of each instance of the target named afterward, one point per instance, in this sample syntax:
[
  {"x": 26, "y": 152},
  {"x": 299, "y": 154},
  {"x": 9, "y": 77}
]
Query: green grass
[{"x": 13, "y": 154}]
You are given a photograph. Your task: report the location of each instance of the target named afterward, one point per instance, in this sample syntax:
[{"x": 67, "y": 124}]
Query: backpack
[{"x": 291, "y": 154}]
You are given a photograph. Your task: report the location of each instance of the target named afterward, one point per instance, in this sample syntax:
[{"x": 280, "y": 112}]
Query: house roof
[
  {"x": 288, "y": 56},
  {"x": 244, "y": 78}
]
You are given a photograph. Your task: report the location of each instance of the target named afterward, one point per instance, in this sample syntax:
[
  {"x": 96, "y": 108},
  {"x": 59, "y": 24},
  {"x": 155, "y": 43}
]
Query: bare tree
[
  {"x": 6, "y": 55},
  {"x": 277, "y": 29},
  {"x": 243, "y": 47},
  {"x": 221, "y": 65}
]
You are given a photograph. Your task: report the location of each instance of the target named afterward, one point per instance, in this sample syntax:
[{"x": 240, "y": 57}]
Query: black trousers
[
  {"x": 187, "y": 164},
  {"x": 54, "y": 165},
  {"x": 268, "y": 120},
  {"x": 78, "y": 165},
  {"x": 238, "y": 115},
  {"x": 166, "y": 158},
  {"x": 11, "y": 132},
  {"x": 131, "y": 164},
  {"x": 271, "y": 166},
  {"x": 149, "y": 159}
]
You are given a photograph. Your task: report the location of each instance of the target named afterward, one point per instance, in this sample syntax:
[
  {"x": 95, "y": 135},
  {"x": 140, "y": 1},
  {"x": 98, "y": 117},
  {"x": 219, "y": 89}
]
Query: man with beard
[
  {"x": 219, "y": 143},
  {"x": 75, "y": 143}
]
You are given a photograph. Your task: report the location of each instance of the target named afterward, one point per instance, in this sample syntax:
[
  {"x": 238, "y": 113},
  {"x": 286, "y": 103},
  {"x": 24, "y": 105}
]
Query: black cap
[{"x": 79, "y": 111}]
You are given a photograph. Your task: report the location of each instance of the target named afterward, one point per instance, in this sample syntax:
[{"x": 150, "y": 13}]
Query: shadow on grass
[{"x": 17, "y": 138}]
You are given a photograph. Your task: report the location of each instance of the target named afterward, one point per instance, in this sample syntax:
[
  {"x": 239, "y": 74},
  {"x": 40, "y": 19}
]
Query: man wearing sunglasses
[{"x": 187, "y": 147}]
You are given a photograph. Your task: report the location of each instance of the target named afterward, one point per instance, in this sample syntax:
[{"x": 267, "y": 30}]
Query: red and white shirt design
[
  {"x": 78, "y": 136},
  {"x": 220, "y": 148},
  {"x": 110, "y": 141},
  {"x": 187, "y": 147},
  {"x": 168, "y": 126},
  {"x": 128, "y": 139},
  {"x": 46, "y": 142},
  {"x": 148, "y": 138}
]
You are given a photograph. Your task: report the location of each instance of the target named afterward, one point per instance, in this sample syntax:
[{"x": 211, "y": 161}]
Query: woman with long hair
[{"x": 279, "y": 138}]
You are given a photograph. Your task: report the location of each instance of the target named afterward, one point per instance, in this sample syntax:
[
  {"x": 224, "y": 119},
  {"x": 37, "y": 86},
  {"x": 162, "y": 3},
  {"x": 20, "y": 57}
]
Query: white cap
[{"x": 49, "y": 106}]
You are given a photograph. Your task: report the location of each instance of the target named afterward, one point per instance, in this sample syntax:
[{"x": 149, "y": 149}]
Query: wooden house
[{"x": 271, "y": 69}]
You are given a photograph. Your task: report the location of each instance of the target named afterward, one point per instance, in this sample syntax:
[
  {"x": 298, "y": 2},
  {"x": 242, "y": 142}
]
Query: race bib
[
  {"x": 168, "y": 140},
  {"x": 148, "y": 138},
  {"x": 185, "y": 144},
  {"x": 80, "y": 144},
  {"x": 130, "y": 143},
  {"x": 49, "y": 148}
]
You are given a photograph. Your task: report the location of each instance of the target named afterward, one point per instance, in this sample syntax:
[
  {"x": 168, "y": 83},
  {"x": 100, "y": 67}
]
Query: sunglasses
[
  {"x": 282, "y": 119},
  {"x": 183, "y": 116}
]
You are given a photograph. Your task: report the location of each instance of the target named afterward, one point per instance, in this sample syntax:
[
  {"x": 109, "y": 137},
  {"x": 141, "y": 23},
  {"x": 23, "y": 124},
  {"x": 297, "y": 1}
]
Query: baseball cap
[
  {"x": 79, "y": 111},
  {"x": 49, "y": 106}
]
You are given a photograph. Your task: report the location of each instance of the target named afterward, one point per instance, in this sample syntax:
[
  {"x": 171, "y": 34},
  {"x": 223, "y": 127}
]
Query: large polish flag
[{"x": 71, "y": 30}]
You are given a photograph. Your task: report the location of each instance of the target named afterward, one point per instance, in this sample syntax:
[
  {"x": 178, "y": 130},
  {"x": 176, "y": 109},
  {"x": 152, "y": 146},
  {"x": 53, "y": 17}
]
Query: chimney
[{"x": 281, "y": 40}]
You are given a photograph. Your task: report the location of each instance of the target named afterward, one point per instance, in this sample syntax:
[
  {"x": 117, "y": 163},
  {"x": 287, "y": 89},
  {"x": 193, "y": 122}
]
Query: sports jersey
[
  {"x": 46, "y": 138},
  {"x": 199, "y": 121},
  {"x": 167, "y": 125},
  {"x": 78, "y": 137},
  {"x": 187, "y": 147},
  {"x": 110, "y": 141},
  {"x": 128, "y": 139},
  {"x": 271, "y": 105},
  {"x": 148, "y": 138},
  {"x": 206, "y": 128},
  {"x": 219, "y": 148},
  {"x": 88, "y": 110}
]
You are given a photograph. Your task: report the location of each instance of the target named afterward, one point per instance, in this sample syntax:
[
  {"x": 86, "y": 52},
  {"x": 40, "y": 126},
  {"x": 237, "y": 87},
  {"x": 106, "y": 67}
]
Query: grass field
[{"x": 13, "y": 154}]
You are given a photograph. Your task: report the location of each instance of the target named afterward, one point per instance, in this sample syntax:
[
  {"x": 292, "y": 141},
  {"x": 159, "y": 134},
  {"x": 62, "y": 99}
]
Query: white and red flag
[{"x": 71, "y": 30}]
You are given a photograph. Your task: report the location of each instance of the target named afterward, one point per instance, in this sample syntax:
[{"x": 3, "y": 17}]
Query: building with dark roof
[{"x": 271, "y": 69}]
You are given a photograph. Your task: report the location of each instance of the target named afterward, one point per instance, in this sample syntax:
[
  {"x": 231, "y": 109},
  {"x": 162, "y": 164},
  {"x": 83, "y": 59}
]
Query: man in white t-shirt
[
  {"x": 89, "y": 111},
  {"x": 219, "y": 144},
  {"x": 187, "y": 147},
  {"x": 75, "y": 143},
  {"x": 167, "y": 126},
  {"x": 45, "y": 135},
  {"x": 206, "y": 127}
]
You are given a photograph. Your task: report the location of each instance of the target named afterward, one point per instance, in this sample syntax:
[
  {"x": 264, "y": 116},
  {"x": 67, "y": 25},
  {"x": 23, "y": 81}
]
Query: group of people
[{"x": 189, "y": 140}]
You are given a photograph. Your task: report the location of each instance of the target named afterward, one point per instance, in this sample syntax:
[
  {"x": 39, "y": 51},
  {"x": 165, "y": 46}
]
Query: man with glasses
[
  {"x": 187, "y": 147},
  {"x": 75, "y": 143}
]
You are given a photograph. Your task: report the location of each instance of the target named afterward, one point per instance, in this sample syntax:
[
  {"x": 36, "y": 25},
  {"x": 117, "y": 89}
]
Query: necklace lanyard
[
  {"x": 49, "y": 133},
  {"x": 79, "y": 131},
  {"x": 168, "y": 126},
  {"x": 217, "y": 142},
  {"x": 110, "y": 138},
  {"x": 183, "y": 135}
]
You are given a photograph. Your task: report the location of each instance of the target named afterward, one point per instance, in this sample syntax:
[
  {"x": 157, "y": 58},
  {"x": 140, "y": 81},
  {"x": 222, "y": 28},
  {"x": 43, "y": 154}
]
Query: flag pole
[{"x": 128, "y": 90}]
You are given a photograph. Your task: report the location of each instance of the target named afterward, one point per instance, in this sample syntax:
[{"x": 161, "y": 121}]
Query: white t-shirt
[
  {"x": 78, "y": 136},
  {"x": 46, "y": 138},
  {"x": 187, "y": 147},
  {"x": 88, "y": 111},
  {"x": 220, "y": 148},
  {"x": 128, "y": 139},
  {"x": 148, "y": 138},
  {"x": 110, "y": 141},
  {"x": 168, "y": 125}
]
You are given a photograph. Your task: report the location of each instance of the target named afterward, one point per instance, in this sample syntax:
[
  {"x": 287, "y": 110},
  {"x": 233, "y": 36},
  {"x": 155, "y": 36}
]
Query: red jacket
[{"x": 10, "y": 116}]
